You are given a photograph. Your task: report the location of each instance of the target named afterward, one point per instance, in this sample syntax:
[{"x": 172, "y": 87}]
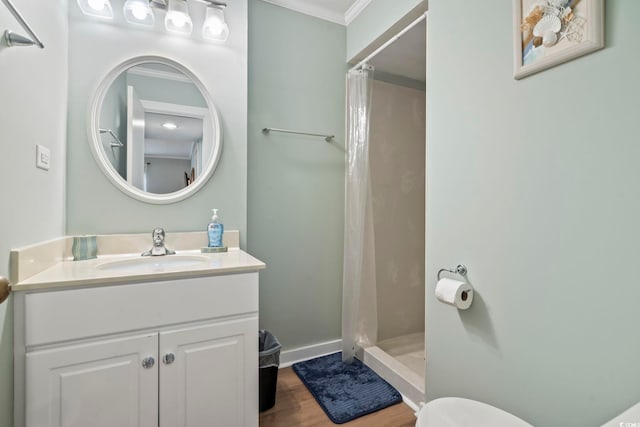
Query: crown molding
[
  {"x": 355, "y": 10},
  {"x": 309, "y": 9}
]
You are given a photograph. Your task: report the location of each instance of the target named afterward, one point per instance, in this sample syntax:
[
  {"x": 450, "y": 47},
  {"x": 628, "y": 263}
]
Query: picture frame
[{"x": 550, "y": 32}]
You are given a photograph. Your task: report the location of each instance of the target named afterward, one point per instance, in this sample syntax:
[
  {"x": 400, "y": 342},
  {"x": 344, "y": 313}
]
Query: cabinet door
[
  {"x": 212, "y": 378},
  {"x": 99, "y": 384}
]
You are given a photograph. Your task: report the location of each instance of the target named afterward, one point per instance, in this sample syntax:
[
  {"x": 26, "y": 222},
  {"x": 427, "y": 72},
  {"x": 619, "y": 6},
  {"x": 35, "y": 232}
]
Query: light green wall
[
  {"x": 94, "y": 205},
  {"x": 296, "y": 183},
  {"x": 33, "y": 90},
  {"x": 378, "y": 17},
  {"x": 534, "y": 185}
]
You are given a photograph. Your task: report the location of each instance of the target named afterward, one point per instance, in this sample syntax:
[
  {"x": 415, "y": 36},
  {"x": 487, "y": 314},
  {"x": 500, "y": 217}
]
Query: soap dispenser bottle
[{"x": 215, "y": 230}]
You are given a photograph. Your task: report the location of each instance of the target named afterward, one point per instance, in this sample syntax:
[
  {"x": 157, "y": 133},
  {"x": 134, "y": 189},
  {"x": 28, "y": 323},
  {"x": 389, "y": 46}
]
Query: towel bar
[
  {"x": 327, "y": 138},
  {"x": 13, "y": 39}
]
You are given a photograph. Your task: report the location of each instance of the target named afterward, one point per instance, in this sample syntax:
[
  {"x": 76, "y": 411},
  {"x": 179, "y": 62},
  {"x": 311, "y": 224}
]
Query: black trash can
[{"x": 269, "y": 361}]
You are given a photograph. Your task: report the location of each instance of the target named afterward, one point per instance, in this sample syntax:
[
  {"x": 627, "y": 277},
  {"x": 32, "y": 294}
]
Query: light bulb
[
  {"x": 96, "y": 8},
  {"x": 215, "y": 28},
  {"x": 96, "y": 5},
  {"x": 178, "y": 19},
  {"x": 139, "y": 11}
]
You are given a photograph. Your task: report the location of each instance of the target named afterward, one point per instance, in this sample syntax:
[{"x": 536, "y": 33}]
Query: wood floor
[{"x": 296, "y": 407}]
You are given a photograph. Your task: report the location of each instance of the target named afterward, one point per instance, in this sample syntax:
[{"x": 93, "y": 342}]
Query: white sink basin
[{"x": 154, "y": 263}]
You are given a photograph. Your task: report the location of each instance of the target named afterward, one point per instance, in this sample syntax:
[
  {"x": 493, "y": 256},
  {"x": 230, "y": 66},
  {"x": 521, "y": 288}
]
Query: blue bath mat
[{"x": 345, "y": 392}]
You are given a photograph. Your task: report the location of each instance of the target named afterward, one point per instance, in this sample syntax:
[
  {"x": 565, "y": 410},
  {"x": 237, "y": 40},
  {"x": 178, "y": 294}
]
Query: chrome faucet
[{"x": 158, "y": 248}]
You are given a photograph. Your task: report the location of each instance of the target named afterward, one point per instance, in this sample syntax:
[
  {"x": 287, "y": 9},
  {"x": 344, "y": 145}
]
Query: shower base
[{"x": 401, "y": 362}]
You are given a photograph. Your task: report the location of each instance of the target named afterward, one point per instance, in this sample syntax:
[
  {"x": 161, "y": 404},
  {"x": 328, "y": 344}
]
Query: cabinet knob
[
  {"x": 169, "y": 358},
  {"x": 148, "y": 362}
]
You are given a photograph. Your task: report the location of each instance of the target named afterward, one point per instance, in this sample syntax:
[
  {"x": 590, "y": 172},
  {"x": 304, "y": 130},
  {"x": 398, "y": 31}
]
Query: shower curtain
[{"x": 359, "y": 307}]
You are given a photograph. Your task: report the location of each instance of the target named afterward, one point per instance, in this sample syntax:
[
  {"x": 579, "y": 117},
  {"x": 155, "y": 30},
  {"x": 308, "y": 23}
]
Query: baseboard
[
  {"x": 411, "y": 404},
  {"x": 300, "y": 354}
]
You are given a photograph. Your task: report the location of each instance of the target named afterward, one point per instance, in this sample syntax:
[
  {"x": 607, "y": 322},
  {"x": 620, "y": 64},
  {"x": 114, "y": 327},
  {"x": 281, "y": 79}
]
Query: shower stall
[{"x": 384, "y": 277}]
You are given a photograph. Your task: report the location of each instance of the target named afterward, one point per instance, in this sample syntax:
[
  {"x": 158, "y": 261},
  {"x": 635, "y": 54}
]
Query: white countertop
[{"x": 69, "y": 273}]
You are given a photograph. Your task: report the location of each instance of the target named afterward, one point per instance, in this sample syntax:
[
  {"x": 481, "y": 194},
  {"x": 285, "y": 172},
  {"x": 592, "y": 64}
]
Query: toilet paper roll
[{"x": 455, "y": 293}]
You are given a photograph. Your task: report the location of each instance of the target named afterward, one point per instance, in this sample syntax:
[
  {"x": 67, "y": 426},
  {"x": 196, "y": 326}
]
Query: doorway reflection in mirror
[{"x": 164, "y": 123}]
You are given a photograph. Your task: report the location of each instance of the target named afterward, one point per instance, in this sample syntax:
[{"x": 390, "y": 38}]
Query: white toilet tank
[{"x": 459, "y": 412}]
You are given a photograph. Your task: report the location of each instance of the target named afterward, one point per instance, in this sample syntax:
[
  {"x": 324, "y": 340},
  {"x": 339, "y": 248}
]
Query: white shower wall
[{"x": 397, "y": 165}]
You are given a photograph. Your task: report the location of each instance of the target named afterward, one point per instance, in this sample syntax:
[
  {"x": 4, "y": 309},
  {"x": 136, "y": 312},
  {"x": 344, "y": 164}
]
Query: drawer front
[{"x": 56, "y": 316}]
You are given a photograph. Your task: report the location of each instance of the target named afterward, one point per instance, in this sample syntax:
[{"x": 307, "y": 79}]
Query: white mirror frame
[{"x": 100, "y": 155}]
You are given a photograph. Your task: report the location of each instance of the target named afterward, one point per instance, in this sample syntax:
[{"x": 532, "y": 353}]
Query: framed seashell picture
[{"x": 550, "y": 32}]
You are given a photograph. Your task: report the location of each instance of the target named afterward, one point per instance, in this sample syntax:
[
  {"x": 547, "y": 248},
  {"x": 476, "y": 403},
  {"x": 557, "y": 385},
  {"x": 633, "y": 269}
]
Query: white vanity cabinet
[{"x": 177, "y": 353}]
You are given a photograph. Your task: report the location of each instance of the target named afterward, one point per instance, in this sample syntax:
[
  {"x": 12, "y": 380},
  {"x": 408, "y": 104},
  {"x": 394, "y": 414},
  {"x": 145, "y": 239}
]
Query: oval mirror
[{"x": 154, "y": 130}]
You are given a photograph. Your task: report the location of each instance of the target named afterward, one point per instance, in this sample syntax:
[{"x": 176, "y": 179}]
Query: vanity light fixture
[
  {"x": 177, "y": 19},
  {"x": 96, "y": 8},
  {"x": 215, "y": 27},
  {"x": 138, "y": 12}
]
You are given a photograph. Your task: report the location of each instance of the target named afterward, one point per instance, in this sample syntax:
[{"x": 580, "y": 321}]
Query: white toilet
[{"x": 459, "y": 412}]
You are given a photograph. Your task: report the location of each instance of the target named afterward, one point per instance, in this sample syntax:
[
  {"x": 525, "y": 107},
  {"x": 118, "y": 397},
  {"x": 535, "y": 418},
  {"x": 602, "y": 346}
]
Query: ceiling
[
  {"x": 406, "y": 57},
  {"x": 338, "y": 11},
  {"x": 162, "y": 142},
  {"x": 176, "y": 143}
]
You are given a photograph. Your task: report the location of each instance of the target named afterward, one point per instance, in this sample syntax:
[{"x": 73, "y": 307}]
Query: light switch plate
[{"x": 43, "y": 155}]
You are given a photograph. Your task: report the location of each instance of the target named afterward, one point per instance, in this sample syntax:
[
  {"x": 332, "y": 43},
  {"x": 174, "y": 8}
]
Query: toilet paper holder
[{"x": 461, "y": 269}]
